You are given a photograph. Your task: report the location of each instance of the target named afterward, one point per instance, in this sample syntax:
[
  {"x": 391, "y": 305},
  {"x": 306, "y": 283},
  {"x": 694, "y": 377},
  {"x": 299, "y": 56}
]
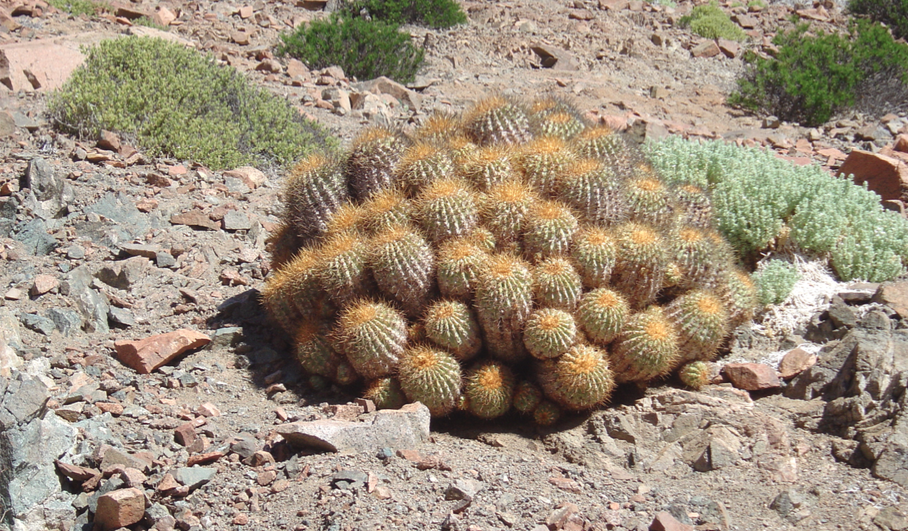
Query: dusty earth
[{"x": 127, "y": 248}]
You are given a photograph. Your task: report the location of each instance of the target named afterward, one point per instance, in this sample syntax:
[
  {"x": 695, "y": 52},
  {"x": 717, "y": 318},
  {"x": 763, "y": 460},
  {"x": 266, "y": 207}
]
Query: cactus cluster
[{"x": 514, "y": 257}]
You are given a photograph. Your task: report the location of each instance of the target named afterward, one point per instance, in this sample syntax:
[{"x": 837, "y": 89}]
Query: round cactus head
[
  {"x": 488, "y": 389},
  {"x": 439, "y": 127},
  {"x": 647, "y": 347},
  {"x": 372, "y": 336},
  {"x": 557, "y": 284},
  {"x": 497, "y": 120},
  {"x": 702, "y": 321},
  {"x": 385, "y": 393},
  {"x": 594, "y": 191},
  {"x": 579, "y": 379},
  {"x": 642, "y": 257},
  {"x": 370, "y": 166},
  {"x": 546, "y": 413},
  {"x": 431, "y": 376},
  {"x": 542, "y": 162},
  {"x": 527, "y": 397},
  {"x": 549, "y": 333},
  {"x": 695, "y": 374},
  {"x": 595, "y": 252},
  {"x": 421, "y": 164},
  {"x": 450, "y": 325},
  {"x": 489, "y": 166},
  {"x": 447, "y": 209},
  {"x": 459, "y": 262},
  {"x": 550, "y": 229},
  {"x": 385, "y": 209},
  {"x": 315, "y": 188},
  {"x": 602, "y": 314},
  {"x": 505, "y": 209}
]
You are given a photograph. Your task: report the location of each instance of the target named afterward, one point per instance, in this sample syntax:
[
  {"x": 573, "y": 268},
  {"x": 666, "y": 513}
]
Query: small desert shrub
[
  {"x": 149, "y": 23},
  {"x": 761, "y": 201},
  {"x": 711, "y": 22},
  {"x": 79, "y": 7},
  {"x": 775, "y": 280},
  {"x": 813, "y": 76},
  {"x": 178, "y": 102},
  {"x": 893, "y": 13},
  {"x": 363, "y": 48},
  {"x": 431, "y": 13}
]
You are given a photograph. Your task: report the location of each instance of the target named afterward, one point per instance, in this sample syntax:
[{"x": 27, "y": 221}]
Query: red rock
[
  {"x": 297, "y": 69},
  {"x": 49, "y": 61},
  {"x": 208, "y": 410},
  {"x": 195, "y": 218},
  {"x": 241, "y": 519},
  {"x": 7, "y": 21},
  {"x": 894, "y": 295},
  {"x": 706, "y": 49},
  {"x": 887, "y": 176},
  {"x": 795, "y": 362},
  {"x": 901, "y": 143},
  {"x": 746, "y": 21},
  {"x": 566, "y": 484},
  {"x": 204, "y": 459},
  {"x": 167, "y": 483},
  {"x": 129, "y": 12},
  {"x": 266, "y": 477},
  {"x": 133, "y": 477},
  {"x": 252, "y": 177},
  {"x": 109, "y": 141},
  {"x": 664, "y": 521},
  {"x": 164, "y": 16},
  {"x": 150, "y": 353},
  {"x": 730, "y": 49},
  {"x": 615, "y": 123},
  {"x": 177, "y": 170},
  {"x": 185, "y": 434},
  {"x": 245, "y": 12},
  {"x": 110, "y": 407},
  {"x": 751, "y": 376},
  {"x": 43, "y": 284},
  {"x": 614, "y": 5},
  {"x": 832, "y": 153},
  {"x": 75, "y": 472},
  {"x": 120, "y": 508}
]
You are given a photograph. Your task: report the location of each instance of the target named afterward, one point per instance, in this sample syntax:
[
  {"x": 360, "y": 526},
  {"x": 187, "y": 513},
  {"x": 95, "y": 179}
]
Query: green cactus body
[
  {"x": 421, "y": 164},
  {"x": 385, "y": 209},
  {"x": 550, "y": 230},
  {"x": 504, "y": 300},
  {"x": 595, "y": 252},
  {"x": 642, "y": 258},
  {"x": 315, "y": 188},
  {"x": 557, "y": 284},
  {"x": 403, "y": 265},
  {"x": 277, "y": 299},
  {"x": 594, "y": 192},
  {"x": 739, "y": 294},
  {"x": 542, "y": 161},
  {"x": 546, "y": 413},
  {"x": 648, "y": 198},
  {"x": 647, "y": 347},
  {"x": 346, "y": 375},
  {"x": 447, "y": 209},
  {"x": 579, "y": 379},
  {"x": 439, "y": 127},
  {"x": 527, "y": 397},
  {"x": 431, "y": 376},
  {"x": 483, "y": 238},
  {"x": 349, "y": 218},
  {"x": 549, "y": 333},
  {"x": 601, "y": 142},
  {"x": 695, "y": 374},
  {"x": 341, "y": 268},
  {"x": 488, "y": 388},
  {"x": 450, "y": 325},
  {"x": 558, "y": 124},
  {"x": 314, "y": 352},
  {"x": 462, "y": 149},
  {"x": 283, "y": 244},
  {"x": 505, "y": 210},
  {"x": 497, "y": 121},
  {"x": 701, "y": 320},
  {"x": 696, "y": 208},
  {"x": 696, "y": 256},
  {"x": 489, "y": 166},
  {"x": 372, "y": 336},
  {"x": 385, "y": 393},
  {"x": 319, "y": 384},
  {"x": 602, "y": 314},
  {"x": 459, "y": 262},
  {"x": 370, "y": 166}
]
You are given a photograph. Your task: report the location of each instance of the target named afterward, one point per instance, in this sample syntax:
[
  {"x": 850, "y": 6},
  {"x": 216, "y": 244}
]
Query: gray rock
[
  {"x": 226, "y": 337},
  {"x": 407, "y": 427},
  {"x": 234, "y": 220},
  {"x": 124, "y": 274},
  {"x": 463, "y": 489},
  {"x": 245, "y": 446},
  {"x": 892, "y": 464},
  {"x": 349, "y": 479},
  {"x": 164, "y": 259},
  {"x": 67, "y": 321},
  {"x": 891, "y": 519},
  {"x": 25, "y": 122},
  {"x": 39, "y": 178},
  {"x": 92, "y": 305},
  {"x": 841, "y": 314},
  {"x": 27, "y": 453},
  {"x": 121, "y": 209},
  {"x": 194, "y": 477},
  {"x": 787, "y": 501},
  {"x": 34, "y": 237},
  {"x": 22, "y": 399},
  {"x": 121, "y": 317},
  {"x": 37, "y": 323},
  {"x": 9, "y": 337},
  {"x": 75, "y": 252}
]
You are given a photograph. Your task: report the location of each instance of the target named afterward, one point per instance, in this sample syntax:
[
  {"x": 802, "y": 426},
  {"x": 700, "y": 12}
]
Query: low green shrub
[
  {"x": 431, "y": 13},
  {"x": 761, "y": 201},
  {"x": 178, "y": 102},
  {"x": 775, "y": 280},
  {"x": 79, "y": 7},
  {"x": 363, "y": 48},
  {"x": 813, "y": 76},
  {"x": 893, "y": 13},
  {"x": 148, "y": 23},
  {"x": 709, "y": 21}
]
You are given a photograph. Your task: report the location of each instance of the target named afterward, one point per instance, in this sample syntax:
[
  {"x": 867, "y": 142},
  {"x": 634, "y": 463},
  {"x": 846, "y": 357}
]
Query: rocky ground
[{"x": 104, "y": 251}]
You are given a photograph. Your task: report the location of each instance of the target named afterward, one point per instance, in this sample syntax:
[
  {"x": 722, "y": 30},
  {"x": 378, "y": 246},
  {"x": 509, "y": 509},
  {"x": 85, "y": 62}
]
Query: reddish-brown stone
[
  {"x": 795, "y": 362},
  {"x": 664, "y": 521},
  {"x": 120, "y": 508},
  {"x": 146, "y": 355},
  {"x": 751, "y": 376},
  {"x": 887, "y": 176},
  {"x": 185, "y": 434}
]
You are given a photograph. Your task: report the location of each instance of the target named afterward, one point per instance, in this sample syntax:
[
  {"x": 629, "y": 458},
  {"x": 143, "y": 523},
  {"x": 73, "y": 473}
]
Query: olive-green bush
[
  {"x": 710, "y": 21},
  {"x": 816, "y": 75},
  {"x": 178, "y": 102},
  {"x": 893, "y": 13},
  {"x": 431, "y": 13},
  {"x": 775, "y": 280},
  {"x": 363, "y": 48},
  {"x": 761, "y": 201}
]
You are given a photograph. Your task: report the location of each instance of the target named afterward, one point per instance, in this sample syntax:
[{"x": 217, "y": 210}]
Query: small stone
[
  {"x": 234, "y": 220},
  {"x": 195, "y": 218},
  {"x": 194, "y": 477},
  {"x": 893, "y": 295},
  {"x": 794, "y": 362},
  {"x": 245, "y": 12},
  {"x": 730, "y": 49},
  {"x": 251, "y": 176},
  {"x": 148, "y": 354},
  {"x": 751, "y": 376},
  {"x": 560, "y": 515},
  {"x": 109, "y": 141},
  {"x": 167, "y": 483},
  {"x": 185, "y": 434},
  {"x": 164, "y": 16},
  {"x": 120, "y": 508},
  {"x": 241, "y": 519},
  {"x": 463, "y": 489},
  {"x": 891, "y": 519},
  {"x": 266, "y": 477},
  {"x": 901, "y": 143},
  {"x": 208, "y": 410},
  {"x": 706, "y": 49},
  {"x": 349, "y": 479},
  {"x": 37, "y": 323},
  {"x": 664, "y": 521}
]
